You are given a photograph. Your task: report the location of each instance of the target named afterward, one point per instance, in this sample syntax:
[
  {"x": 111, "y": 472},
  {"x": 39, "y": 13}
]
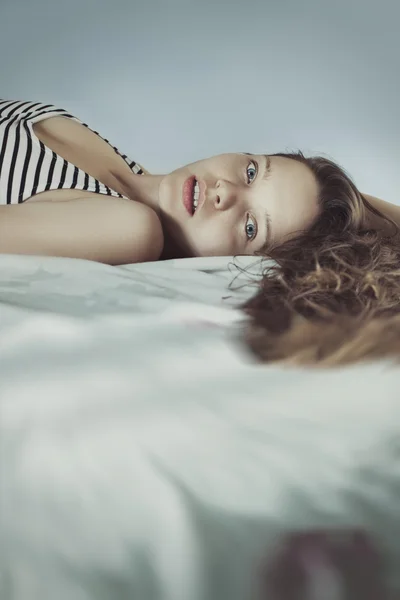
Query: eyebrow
[
  {"x": 267, "y": 240},
  {"x": 266, "y": 174},
  {"x": 267, "y": 170}
]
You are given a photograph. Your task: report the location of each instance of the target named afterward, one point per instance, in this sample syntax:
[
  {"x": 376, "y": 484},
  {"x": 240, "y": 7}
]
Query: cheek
[{"x": 213, "y": 238}]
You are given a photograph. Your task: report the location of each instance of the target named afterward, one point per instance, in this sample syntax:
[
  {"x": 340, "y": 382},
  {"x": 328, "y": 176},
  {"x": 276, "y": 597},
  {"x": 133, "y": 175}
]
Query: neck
[
  {"x": 145, "y": 189},
  {"x": 141, "y": 188}
]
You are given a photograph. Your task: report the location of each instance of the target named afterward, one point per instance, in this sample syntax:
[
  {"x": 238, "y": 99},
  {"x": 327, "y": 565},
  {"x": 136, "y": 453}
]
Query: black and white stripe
[{"x": 28, "y": 167}]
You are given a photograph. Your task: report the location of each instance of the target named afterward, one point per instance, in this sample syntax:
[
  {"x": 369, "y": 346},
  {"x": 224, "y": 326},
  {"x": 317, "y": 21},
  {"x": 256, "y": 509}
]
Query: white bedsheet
[
  {"x": 145, "y": 456},
  {"x": 88, "y": 289}
]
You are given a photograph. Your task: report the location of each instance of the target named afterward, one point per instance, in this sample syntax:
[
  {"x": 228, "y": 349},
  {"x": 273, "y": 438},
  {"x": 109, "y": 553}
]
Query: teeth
[{"x": 196, "y": 196}]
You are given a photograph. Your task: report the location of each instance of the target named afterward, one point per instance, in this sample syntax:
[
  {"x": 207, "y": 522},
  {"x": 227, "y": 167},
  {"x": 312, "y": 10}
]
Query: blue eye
[
  {"x": 251, "y": 228},
  {"x": 252, "y": 170}
]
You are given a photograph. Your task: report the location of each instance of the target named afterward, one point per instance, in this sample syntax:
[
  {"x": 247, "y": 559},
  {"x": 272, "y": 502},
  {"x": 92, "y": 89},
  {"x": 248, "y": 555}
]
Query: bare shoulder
[
  {"x": 131, "y": 231},
  {"x": 140, "y": 226}
]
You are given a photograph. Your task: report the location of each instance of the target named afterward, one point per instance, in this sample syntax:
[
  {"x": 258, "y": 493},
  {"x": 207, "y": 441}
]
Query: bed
[{"x": 144, "y": 454}]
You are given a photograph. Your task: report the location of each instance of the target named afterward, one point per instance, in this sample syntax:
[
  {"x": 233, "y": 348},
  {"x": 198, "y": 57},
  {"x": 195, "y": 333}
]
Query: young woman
[{"x": 66, "y": 191}]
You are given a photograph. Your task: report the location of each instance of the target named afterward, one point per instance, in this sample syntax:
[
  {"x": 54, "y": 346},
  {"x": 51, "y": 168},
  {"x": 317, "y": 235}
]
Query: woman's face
[{"x": 244, "y": 201}]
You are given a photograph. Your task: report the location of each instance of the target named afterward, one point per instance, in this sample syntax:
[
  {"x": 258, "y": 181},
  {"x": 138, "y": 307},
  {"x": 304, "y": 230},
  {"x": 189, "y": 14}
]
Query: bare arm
[
  {"x": 387, "y": 208},
  {"x": 95, "y": 228}
]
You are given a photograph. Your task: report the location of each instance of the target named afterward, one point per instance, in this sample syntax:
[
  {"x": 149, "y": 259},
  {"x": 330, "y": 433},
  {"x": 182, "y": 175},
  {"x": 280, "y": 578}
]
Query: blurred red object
[{"x": 325, "y": 565}]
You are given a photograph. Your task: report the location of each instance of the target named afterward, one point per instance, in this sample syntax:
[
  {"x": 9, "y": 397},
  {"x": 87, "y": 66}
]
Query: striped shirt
[{"x": 28, "y": 167}]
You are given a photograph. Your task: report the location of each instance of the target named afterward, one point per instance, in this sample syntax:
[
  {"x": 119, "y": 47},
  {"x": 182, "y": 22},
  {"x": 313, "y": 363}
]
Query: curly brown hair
[
  {"x": 331, "y": 305},
  {"x": 332, "y": 294}
]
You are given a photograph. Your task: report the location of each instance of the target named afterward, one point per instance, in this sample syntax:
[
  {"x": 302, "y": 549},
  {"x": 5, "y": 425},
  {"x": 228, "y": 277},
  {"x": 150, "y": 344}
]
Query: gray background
[{"x": 169, "y": 82}]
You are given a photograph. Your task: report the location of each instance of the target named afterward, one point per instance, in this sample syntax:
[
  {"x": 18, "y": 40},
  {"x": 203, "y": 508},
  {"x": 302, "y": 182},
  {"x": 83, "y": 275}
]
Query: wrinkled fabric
[{"x": 144, "y": 455}]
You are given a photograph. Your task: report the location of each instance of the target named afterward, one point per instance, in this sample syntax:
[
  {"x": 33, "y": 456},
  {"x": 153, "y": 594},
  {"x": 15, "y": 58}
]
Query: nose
[{"x": 225, "y": 195}]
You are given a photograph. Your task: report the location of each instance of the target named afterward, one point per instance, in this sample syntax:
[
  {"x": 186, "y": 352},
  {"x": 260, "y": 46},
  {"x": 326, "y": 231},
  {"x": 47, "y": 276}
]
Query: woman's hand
[{"x": 386, "y": 208}]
